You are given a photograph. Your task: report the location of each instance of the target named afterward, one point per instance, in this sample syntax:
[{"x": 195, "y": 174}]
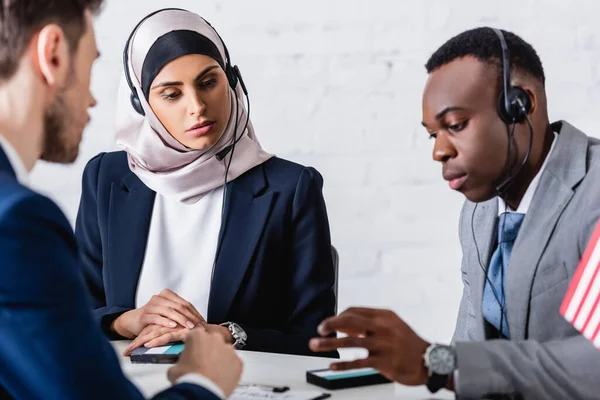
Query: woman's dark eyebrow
[{"x": 200, "y": 75}]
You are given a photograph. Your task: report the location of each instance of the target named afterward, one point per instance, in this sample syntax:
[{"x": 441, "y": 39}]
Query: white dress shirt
[
  {"x": 181, "y": 248},
  {"x": 180, "y": 254},
  {"x": 15, "y": 161}
]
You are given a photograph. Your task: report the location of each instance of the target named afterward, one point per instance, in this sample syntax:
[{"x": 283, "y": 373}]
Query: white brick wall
[{"x": 337, "y": 85}]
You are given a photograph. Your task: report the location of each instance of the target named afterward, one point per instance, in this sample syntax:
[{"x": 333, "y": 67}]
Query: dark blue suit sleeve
[
  {"x": 50, "y": 347},
  {"x": 313, "y": 277},
  {"x": 186, "y": 391},
  {"x": 90, "y": 244}
]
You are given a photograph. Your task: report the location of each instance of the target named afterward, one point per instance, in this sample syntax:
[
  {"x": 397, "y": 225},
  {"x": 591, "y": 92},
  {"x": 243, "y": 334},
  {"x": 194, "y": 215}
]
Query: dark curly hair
[{"x": 483, "y": 44}]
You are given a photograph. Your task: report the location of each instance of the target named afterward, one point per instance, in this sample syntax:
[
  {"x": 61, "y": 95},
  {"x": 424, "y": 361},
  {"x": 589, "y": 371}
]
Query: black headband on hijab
[{"x": 174, "y": 45}]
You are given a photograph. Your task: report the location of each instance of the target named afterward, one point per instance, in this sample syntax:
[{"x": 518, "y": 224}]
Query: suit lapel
[
  {"x": 565, "y": 169},
  {"x": 129, "y": 222},
  {"x": 246, "y": 212},
  {"x": 484, "y": 221}
]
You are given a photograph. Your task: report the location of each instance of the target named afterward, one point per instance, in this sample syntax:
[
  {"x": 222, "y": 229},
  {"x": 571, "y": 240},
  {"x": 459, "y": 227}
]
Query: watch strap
[{"x": 437, "y": 382}]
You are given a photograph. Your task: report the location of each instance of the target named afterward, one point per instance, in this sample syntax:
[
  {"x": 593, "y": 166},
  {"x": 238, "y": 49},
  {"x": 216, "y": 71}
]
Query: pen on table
[{"x": 274, "y": 389}]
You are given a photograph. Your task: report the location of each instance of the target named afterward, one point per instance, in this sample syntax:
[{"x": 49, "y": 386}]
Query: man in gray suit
[{"x": 533, "y": 200}]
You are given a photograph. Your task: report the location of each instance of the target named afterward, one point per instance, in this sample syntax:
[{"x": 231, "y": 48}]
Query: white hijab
[{"x": 161, "y": 162}]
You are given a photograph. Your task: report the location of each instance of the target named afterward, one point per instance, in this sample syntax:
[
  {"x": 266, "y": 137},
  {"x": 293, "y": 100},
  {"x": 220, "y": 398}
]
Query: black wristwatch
[{"x": 440, "y": 361}]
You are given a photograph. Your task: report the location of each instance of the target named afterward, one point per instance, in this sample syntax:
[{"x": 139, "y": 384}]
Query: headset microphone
[{"x": 223, "y": 153}]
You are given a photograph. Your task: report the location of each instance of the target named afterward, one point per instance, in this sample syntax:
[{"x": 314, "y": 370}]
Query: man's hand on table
[
  {"x": 209, "y": 355},
  {"x": 394, "y": 348}
]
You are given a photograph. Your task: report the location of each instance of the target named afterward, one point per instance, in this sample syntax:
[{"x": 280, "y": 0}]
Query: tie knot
[{"x": 508, "y": 226}]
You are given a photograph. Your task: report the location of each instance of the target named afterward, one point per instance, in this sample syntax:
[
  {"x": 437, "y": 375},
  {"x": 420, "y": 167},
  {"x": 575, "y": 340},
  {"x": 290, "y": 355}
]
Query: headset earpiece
[
  {"x": 136, "y": 103},
  {"x": 513, "y": 104},
  {"x": 240, "y": 79},
  {"x": 519, "y": 105},
  {"x": 231, "y": 76}
]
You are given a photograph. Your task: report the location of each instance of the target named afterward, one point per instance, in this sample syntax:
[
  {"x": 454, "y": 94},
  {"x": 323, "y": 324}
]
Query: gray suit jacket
[{"x": 546, "y": 357}]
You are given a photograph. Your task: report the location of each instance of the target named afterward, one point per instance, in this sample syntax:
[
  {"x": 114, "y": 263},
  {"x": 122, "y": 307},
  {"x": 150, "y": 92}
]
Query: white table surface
[{"x": 274, "y": 369}]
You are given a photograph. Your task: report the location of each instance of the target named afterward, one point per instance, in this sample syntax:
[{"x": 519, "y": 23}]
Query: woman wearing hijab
[{"x": 166, "y": 244}]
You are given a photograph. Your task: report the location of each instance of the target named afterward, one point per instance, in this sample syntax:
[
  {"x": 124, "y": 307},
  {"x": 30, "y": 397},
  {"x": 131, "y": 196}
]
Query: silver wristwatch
[
  {"x": 440, "y": 361},
  {"x": 238, "y": 334}
]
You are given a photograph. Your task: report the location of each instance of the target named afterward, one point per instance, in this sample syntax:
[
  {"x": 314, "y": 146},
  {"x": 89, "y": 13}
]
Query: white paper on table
[{"x": 258, "y": 393}]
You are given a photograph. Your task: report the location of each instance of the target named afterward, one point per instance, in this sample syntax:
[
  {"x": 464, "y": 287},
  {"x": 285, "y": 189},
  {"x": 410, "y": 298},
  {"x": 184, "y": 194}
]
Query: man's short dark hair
[
  {"x": 484, "y": 45},
  {"x": 21, "y": 19}
]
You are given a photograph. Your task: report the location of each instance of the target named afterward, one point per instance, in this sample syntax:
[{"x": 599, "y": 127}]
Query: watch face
[
  {"x": 239, "y": 331},
  {"x": 442, "y": 360}
]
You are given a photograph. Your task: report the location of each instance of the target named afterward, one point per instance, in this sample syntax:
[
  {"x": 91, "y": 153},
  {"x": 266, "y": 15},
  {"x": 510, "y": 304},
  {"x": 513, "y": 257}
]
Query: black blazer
[{"x": 274, "y": 271}]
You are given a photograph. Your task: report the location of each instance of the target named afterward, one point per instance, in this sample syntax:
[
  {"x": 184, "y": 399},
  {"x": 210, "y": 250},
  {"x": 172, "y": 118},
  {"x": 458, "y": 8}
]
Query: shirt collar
[
  {"x": 528, "y": 196},
  {"x": 15, "y": 161}
]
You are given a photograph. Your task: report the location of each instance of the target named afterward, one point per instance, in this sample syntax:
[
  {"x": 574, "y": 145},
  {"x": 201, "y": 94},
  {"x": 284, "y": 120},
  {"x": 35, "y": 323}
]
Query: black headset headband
[{"x": 505, "y": 66}]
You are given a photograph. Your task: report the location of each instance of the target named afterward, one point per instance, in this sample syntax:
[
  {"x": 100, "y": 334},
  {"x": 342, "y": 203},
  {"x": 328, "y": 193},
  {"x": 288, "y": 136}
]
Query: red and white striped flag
[{"x": 581, "y": 305}]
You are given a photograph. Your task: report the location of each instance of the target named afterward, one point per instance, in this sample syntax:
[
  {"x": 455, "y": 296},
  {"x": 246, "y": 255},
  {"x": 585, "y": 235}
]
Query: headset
[
  {"x": 234, "y": 77},
  {"x": 231, "y": 71},
  {"x": 514, "y": 106},
  {"x": 514, "y": 103}
]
